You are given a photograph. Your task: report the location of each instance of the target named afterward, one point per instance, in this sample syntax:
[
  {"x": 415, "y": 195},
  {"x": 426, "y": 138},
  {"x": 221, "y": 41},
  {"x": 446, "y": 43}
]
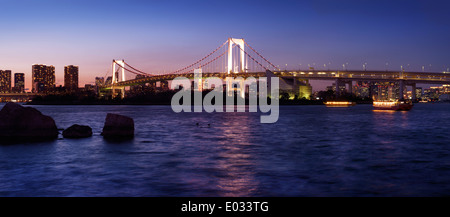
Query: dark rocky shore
[{"x": 26, "y": 124}]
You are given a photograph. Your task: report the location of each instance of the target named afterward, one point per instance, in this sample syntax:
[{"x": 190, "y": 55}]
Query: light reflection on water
[
  {"x": 239, "y": 178},
  {"x": 310, "y": 151}
]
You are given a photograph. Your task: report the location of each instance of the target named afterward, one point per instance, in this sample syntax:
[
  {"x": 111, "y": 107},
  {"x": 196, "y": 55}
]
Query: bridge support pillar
[
  {"x": 338, "y": 87},
  {"x": 401, "y": 85},
  {"x": 413, "y": 91},
  {"x": 350, "y": 87},
  {"x": 231, "y": 83},
  {"x": 121, "y": 89},
  {"x": 229, "y": 87}
]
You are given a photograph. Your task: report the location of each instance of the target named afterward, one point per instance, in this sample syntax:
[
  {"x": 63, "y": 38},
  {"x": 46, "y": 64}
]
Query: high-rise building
[
  {"x": 5, "y": 81},
  {"x": 419, "y": 92},
  {"x": 108, "y": 80},
  {"x": 362, "y": 89},
  {"x": 43, "y": 78},
  {"x": 71, "y": 77},
  {"x": 19, "y": 82},
  {"x": 99, "y": 81}
]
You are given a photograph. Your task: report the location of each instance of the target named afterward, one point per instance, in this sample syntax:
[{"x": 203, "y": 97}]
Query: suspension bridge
[{"x": 236, "y": 58}]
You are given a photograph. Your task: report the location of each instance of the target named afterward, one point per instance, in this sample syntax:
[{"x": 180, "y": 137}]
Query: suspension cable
[
  {"x": 189, "y": 66},
  {"x": 261, "y": 56},
  {"x": 203, "y": 65},
  {"x": 136, "y": 73},
  {"x": 252, "y": 58},
  {"x": 144, "y": 73}
]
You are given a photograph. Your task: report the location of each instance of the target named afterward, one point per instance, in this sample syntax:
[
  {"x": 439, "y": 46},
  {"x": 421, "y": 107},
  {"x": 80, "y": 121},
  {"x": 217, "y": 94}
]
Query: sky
[{"x": 164, "y": 35}]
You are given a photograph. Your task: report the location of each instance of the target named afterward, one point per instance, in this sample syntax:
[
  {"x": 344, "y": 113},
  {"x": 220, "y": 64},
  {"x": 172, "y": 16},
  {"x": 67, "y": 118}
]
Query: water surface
[{"x": 310, "y": 151}]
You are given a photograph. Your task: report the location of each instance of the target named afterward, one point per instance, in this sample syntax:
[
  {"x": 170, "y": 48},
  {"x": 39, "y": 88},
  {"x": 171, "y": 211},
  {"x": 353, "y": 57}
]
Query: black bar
[{"x": 223, "y": 206}]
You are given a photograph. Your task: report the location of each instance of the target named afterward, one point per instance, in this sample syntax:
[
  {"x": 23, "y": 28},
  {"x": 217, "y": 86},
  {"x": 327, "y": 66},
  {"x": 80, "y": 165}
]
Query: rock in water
[
  {"x": 18, "y": 123},
  {"x": 77, "y": 131},
  {"x": 118, "y": 126}
]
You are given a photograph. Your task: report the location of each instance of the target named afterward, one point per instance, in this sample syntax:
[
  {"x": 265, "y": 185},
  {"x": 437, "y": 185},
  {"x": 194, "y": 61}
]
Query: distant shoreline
[
  {"x": 311, "y": 102},
  {"x": 168, "y": 104}
]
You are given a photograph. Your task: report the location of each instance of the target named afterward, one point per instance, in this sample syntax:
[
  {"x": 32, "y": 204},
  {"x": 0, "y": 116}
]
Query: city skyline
[{"x": 292, "y": 34}]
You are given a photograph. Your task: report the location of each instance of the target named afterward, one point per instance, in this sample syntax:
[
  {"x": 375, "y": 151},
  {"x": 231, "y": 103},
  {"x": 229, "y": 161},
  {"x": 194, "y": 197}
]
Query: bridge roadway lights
[
  {"x": 416, "y": 77},
  {"x": 411, "y": 78}
]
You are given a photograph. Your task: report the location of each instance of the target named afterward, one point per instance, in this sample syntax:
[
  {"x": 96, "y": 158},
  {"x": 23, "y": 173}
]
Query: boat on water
[
  {"x": 339, "y": 103},
  {"x": 400, "y": 105}
]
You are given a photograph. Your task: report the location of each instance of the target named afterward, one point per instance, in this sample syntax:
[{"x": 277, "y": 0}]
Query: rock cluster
[
  {"x": 19, "y": 123},
  {"x": 118, "y": 126},
  {"x": 77, "y": 131}
]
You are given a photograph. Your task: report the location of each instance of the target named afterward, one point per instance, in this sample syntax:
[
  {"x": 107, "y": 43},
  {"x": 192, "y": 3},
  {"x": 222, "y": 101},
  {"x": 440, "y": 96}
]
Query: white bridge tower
[
  {"x": 115, "y": 77},
  {"x": 241, "y": 44}
]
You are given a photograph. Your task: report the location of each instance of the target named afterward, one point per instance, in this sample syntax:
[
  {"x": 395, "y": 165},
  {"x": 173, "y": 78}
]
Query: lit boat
[
  {"x": 339, "y": 103},
  {"x": 400, "y": 105}
]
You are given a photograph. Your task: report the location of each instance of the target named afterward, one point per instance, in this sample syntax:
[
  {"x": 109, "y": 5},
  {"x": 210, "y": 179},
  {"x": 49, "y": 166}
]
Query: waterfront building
[
  {"x": 71, "y": 78},
  {"x": 19, "y": 82},
  {"x": 5, "y": 81},
  {"x": 99, "y": 81},
  {"x": 108, "y": 80},
  {"x": 419, "y": 92},
  {"x": 43, "y": 78},
  {"x": 362, "y": 89}
]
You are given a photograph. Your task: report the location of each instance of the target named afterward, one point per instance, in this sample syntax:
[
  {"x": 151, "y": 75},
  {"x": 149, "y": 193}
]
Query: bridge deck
[{"x": 412, "y": 77}]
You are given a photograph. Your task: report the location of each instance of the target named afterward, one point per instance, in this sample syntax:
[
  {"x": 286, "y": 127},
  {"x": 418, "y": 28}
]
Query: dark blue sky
[{"x": 166, "y": 35}]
